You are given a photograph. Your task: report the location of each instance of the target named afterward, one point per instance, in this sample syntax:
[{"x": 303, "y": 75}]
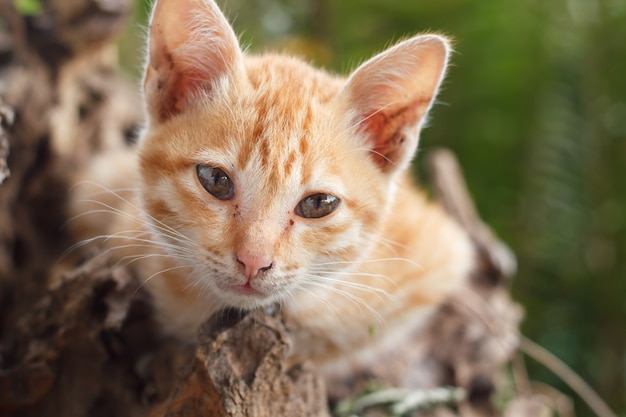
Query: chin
[{"x": 245, "y": 301}]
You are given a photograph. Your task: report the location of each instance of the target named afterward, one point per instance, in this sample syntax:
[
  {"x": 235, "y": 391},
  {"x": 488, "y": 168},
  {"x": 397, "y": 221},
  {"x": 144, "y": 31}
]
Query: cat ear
[
  {"x": 389, "y": 96},
  {"x": 192, "y": 48}
]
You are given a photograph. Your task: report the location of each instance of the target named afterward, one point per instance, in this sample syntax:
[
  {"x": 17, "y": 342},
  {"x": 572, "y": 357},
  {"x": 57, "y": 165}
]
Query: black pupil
[{"x": 215, "y": 181}]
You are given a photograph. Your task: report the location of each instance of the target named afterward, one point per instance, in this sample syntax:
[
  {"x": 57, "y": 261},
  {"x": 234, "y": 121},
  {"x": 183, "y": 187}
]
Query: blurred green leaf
[{"x": 28, "y": 7}]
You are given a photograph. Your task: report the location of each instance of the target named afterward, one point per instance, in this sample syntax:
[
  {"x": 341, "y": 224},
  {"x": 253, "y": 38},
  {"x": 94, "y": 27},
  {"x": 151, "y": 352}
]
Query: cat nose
[{"x": 252, "y": 265}]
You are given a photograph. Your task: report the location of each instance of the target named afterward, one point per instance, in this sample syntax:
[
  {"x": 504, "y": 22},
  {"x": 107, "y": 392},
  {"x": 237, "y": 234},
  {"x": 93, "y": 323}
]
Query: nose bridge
[
  {"x": 257, "y": 233},
  {"x": 261, "y": 217},
  {"x": 254, "y": 234}
]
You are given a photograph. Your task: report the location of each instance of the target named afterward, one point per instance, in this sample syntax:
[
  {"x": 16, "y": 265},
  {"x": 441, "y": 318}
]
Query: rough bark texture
[
  {"x": 6, "y": 120},
  {"x": 83, "y": 342},
  {"x": 240, "y": 369}
]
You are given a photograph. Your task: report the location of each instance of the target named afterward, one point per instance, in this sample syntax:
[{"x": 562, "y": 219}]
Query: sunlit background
[{"x": 535, "y": 108}]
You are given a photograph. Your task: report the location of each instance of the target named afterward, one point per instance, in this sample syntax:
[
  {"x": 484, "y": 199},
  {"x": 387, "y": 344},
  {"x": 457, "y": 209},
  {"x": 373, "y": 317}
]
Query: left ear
[
  {"x": 192, "y": 47},
  {"x": 389, "y": 96}
]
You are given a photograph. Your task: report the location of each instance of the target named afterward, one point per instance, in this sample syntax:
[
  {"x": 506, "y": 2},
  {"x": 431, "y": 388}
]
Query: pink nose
[{"x": 252, "y": 265}]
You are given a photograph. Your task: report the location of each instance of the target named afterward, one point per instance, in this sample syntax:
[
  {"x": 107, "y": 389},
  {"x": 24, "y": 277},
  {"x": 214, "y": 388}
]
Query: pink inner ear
[
  {"x": 191, "y": 47},
  {"x": 172, "y": 90},
  {"x": 385, "y": 130},
  {"x": 391, "y": 94}
]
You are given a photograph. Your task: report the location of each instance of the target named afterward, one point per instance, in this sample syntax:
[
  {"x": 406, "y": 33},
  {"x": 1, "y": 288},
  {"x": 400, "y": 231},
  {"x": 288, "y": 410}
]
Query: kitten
[{"x": 263, "y": 180}]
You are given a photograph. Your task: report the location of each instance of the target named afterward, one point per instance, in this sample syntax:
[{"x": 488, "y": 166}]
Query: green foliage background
[{"x": 535, "y": 108}]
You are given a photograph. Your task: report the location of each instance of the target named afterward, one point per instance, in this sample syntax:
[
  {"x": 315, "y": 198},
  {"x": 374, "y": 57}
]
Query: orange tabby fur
[{"x": 282, "y": 131}]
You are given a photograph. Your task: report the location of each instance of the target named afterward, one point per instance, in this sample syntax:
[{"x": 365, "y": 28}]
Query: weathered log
[
  {"x": 6, "y": 119},
  {"x": 36, "y": 54},
  {"x": 242, "y": 370},
  {"x": 76, "y": 352}
]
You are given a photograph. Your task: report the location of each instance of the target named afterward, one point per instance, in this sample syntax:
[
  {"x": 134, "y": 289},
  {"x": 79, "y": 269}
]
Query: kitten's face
[
  {"x": 262, "y": 175},
  {"x": 267, "y": 184}
]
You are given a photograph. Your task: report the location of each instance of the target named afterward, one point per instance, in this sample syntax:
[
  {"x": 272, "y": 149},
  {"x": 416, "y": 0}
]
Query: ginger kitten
[{"x": 263, "y": 180}]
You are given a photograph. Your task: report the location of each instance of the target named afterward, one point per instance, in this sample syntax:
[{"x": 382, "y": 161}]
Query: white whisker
[
  {"x": 162, "y": 272},
  {"x": 359, "y": 262},
  {"x": 348, "y": 295},
  {"x": 142, "y": 243},
  {"x": 331, "y": 308},
  {"x": 392, "y": 245},
  {"x": 166, "y": 230},
  {"x": 157, "y": 222},
  {"x": 379, "y": 292},
  {"x": 348, "y": 280}
]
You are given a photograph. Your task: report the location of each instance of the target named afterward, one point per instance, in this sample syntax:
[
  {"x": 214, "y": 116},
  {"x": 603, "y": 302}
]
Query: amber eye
[
  {"x": 317, "y": 205},
  {"x": 216, "y": 182}
]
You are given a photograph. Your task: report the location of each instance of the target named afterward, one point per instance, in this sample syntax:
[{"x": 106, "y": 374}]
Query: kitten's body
[{"x": 283, "y": 131}]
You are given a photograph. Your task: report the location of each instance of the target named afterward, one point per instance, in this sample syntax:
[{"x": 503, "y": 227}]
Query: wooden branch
[
  {"x": 6, "y": 119},
  {"x": 451, "y": 190}
]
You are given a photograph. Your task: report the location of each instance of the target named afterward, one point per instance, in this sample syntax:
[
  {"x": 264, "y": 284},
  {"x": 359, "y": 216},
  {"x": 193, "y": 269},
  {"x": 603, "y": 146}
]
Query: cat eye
[
  {"x": 317, "y": 205},
  {"x": 216, "y": 182}
]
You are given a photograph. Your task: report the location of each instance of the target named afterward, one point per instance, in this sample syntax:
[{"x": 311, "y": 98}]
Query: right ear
[
  {"x": 390, "y": 95},
  {"x": 192, "y": 48}
]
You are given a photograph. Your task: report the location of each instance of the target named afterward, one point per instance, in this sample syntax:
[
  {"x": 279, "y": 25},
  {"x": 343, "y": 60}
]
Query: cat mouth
[{"x": 246, "y": 290}]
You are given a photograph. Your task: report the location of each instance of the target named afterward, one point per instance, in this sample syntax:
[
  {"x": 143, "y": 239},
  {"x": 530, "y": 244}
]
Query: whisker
[
  {"x": 133, "y": 258},
  {"x": 125, "y": 235},
  {"x": 349, "y": 296},
  {"x": 361, "y": 286},
  {"x": 125, "y": 200},
  {"x": 378, "y": 277},
  {"x": 162, "y": 227},
  {"x": 162, "y": 272},
  {"x": 358, "y": 286},
  {"x": 334, "y": 311},
  {"x": 392, "y": 245},
  {"x": 366, "y": 261}
]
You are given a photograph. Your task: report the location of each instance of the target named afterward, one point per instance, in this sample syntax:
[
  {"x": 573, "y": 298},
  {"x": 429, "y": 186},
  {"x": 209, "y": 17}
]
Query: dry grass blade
[{"x": 571, "y": 378}]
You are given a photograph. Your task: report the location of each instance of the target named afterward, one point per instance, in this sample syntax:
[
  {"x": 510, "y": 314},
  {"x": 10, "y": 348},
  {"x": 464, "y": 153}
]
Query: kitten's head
[{"x": 265, "y": 175}]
